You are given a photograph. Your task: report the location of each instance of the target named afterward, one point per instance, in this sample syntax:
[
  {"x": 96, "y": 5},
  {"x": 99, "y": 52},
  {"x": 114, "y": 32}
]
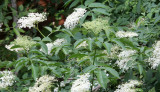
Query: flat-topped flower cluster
[{"x": 31, "y": 20}]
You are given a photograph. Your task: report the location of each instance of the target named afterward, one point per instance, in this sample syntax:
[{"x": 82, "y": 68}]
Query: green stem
[
  {"x": 93, "y": 71},
  {"x": 39, "y": 31}
]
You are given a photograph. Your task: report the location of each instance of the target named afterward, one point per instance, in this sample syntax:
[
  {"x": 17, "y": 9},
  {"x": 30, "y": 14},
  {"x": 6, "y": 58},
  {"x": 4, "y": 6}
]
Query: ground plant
[{"x": 79, "y": 46}]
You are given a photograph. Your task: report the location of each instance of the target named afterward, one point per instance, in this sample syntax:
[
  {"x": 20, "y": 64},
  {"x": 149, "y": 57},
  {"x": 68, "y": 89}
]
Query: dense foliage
[{"x": 80, "y": 46}]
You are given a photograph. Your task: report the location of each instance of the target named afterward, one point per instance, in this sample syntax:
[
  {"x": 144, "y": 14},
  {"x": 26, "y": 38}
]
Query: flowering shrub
[{"x": 100, "y": 46}]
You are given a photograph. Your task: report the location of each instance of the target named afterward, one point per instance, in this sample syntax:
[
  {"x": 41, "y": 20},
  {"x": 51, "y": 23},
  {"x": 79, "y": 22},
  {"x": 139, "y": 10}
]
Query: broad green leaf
[
  {"x": 119, "y": 43},
  {"x": 98, "y": 5},
  {"x": 99, "y": 44},
  {"x": 127, "y": 42},
  {"x": 21, "y": 7},
  {"x": 139, "y": 7},
  {"x": 67, "y": 3},
  {"x": 100, "y": 10},
  {"x": 44, "y": 47},
  {"x": 77, "y": 55},
  {"x": 112, "y": 71},
  {"x": 67, "y": 32},
  {"x": 78, "y": 42},
  {"x": 102, "y": 78},
  {"x": 82, "y": 61},
  {"x": 74, "y": 3},
  {"x": 49, "y": 29},
  {"x": 152, "y": 90},
  {"x": 57, "y": 50},
  {"x": 37, "y": 39},
  {"x": 90, "y": 44},
  {"x": 93, "y": 16},
  {"x": 16, "y": 31},
  {"x": 46, "y": 39},
  {"x": 34, "y": 72},
  {"x": 40, "y": 61},
  {"x": 87, "y": 2},
  {"x": 140, "y": 68},
  {"x": 89, "y": 69},
  {"x": 65, "y": 51},
  {"x": 108, "y": 47},
  {"x": 84, "y": 17}
]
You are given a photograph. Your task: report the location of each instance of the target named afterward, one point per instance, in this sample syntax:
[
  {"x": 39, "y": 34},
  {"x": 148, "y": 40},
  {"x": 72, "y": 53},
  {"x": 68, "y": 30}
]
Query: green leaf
[
  {"x": 90, "y": 44},
  {"x": 89, "y": 69},
  {"x": 75, "y": 2},
  {"x": 98, "y": 5},
  {"x": 65, "y": 51},
  {"x": 119, "y": 43},
  {"x": 127, "y": 42},
  {"x": 87, "y": 2},
  {"x": 67, "y": 32},
  {"x": 84, "y": 17},
  {"x": 49, "y": 29},
  {"x": 93, "y": 16},
  {"x": 16, "y": 31},
  {"x": 78, "y": 42},
  {"x": 46, "y": 39},
  {"x": 108, "y": 47},
  {"x": 140, "y": 68},
  {"x": 139, "y": 7},
  {"x": 100, "y": 10},
  {"x": 57, "y": 50},
  {"x": 112, "y": 71},
  {"x": 102, "y": 78},
  {"x": 67, "y": 3},
  {"x": 99, "y": 44},
  {"x": 21, "y": 7},
  {"x": 34, "y": 72},
  {"x": 152, "y": 90},
  {"x": 77, "y": 55},
  {"x": 44, "y": 47},
  {"x": 37, "y": 39}
]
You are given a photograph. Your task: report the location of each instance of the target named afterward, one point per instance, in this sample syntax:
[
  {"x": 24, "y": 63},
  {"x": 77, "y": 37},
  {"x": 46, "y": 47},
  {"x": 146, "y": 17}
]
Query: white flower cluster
[
  {"x": 128, "y": 87},
  {"x": 124, "y": 57},
  {"x": 82, "y": 84},
  {"x": 122, "y": 34},
  {"x": 83, "y": 44},
  {"x": 59, "y": 42},
  {"x": 43, "y": 84},
  {"x": 114, "y": 52},
  {"x": 7, "y": 79},
  {"x": 97, "y": 25},
  {"x": 25, "y": 42},
  {"x": 15, "y": 49},
  {"x": 154, "y": 61},
  {"x": 72, "y": 19},
  {"x": 31, "y": 19}
]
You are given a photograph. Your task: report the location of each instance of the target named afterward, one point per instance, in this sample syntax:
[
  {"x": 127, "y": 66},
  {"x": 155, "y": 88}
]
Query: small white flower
[
  {"x": 124, "y": 57},
  {"x": 7, "y": 79},
  {"x": 154, "y": 60},
  {"x": 128, "y": 87},
  {"x": 82, "y": 84},
  {"x": 72, "y": 19},
  {"x": 31, "y": 19},
  {"x": 122, "y": 34}
]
